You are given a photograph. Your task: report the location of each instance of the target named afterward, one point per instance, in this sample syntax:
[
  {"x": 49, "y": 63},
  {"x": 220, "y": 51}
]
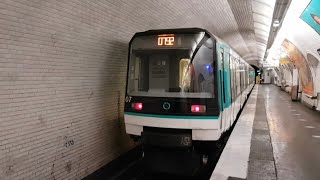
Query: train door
[
  {"x": 234, "y": 89},
  {"x": 224, "y": 88},
  {"x": 238, "y": 87},
  {"x": 231, "y": 88},
  {"x": 227, "y": 88},
  {"x": 221, "y": 85},
  {"x": 240, "y": 72}
]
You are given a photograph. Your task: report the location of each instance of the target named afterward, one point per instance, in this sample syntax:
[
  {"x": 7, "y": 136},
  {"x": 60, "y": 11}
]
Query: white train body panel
[{"x": 202, "y": 129}]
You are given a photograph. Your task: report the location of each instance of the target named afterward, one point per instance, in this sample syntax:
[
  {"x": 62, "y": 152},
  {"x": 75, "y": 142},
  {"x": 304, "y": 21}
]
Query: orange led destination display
[{"x": 166, "y": 40}]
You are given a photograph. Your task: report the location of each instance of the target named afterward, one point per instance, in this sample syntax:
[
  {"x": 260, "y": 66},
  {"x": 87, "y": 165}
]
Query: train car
[{"x": 184, "y": 89}]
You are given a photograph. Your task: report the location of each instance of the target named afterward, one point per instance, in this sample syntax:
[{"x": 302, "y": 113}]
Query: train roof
[{"x": 177, "y": 30}]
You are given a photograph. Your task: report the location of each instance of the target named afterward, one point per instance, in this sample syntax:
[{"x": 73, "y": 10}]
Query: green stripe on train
[{"x": 173, "y": 116}]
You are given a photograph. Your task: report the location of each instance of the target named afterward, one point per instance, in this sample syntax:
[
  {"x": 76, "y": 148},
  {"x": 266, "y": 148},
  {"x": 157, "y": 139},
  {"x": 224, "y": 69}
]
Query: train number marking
[
  {"x": 186, "y": 141},
  {"x": 128, "y": 98}
]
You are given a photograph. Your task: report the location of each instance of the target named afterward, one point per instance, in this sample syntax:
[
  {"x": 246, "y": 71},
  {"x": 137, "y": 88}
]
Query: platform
[{"x": 274, "y": 138}]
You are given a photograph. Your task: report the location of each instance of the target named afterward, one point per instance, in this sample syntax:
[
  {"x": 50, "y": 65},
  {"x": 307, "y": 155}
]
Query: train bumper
[{"x": 202, "y": 129}]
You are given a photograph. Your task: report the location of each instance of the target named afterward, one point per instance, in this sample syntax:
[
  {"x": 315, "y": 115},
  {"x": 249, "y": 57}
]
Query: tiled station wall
[
  {"x": 62, "y": 80},
  {"x": 62, "y": 74}
]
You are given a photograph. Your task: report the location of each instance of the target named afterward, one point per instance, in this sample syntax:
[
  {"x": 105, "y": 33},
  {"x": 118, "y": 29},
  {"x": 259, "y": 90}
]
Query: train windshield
[{"x": 172, "y": 65}]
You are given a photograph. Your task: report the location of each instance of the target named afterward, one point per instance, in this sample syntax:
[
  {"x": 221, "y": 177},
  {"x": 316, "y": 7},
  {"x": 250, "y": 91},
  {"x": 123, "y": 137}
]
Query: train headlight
[
  {"x": 198, "y": 108},
  {"x": 137, "y": 106}
]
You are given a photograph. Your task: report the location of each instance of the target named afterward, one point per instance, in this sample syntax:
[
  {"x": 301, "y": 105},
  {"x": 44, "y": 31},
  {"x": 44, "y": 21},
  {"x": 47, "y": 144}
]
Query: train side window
[
  {"x": 232, "y": 79},
  {"x": 222, "y": 76},
  {"x": 238, "y": 78},
  {"x": 230, "y": 76},
  {"x": 241, "y": 77},
  {"x": 235, "y": 78}
]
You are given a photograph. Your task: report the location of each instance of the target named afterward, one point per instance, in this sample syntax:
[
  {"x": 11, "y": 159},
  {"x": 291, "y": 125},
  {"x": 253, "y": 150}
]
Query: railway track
[
  {"x": 136, "y": 170},
  {"x": 132, "y": 166}
]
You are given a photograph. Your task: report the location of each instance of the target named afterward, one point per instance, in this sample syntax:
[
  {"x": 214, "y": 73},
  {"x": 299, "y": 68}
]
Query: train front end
[{"x": 172, "y": 95}]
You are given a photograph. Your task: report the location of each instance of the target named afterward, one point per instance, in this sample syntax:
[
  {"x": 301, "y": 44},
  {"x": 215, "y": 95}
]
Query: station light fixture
[{"x": 276, "y": 23}]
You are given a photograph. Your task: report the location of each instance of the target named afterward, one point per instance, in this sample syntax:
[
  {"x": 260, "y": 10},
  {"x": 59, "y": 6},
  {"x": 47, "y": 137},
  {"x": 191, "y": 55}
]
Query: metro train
[{"x": 184, "y": 89}]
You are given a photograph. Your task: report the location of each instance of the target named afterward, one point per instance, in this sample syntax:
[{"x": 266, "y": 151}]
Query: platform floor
[
  {"x": 285, "y": 140},
  {"x": 295, "y": 135}
]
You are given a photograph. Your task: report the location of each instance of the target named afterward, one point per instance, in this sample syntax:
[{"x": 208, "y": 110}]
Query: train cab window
[
  {"x": 185, "y": 69},
  {"x": 202, "y": 69}
]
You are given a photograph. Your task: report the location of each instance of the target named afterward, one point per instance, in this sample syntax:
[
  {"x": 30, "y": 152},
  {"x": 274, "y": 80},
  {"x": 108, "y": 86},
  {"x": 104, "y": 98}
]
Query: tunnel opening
[{"x": 256, "y": 70}]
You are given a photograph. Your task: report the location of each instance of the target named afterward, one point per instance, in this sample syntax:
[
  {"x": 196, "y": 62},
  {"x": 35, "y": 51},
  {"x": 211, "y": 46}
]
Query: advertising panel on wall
[
  {"x": 300, "y": 62},
  {"x": 311, "y": 15},
  {"x": 284, "y": 60}
]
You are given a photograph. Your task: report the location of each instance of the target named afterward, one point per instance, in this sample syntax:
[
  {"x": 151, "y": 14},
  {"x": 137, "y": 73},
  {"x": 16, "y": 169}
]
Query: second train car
[{"x": 185, "y": 88}]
